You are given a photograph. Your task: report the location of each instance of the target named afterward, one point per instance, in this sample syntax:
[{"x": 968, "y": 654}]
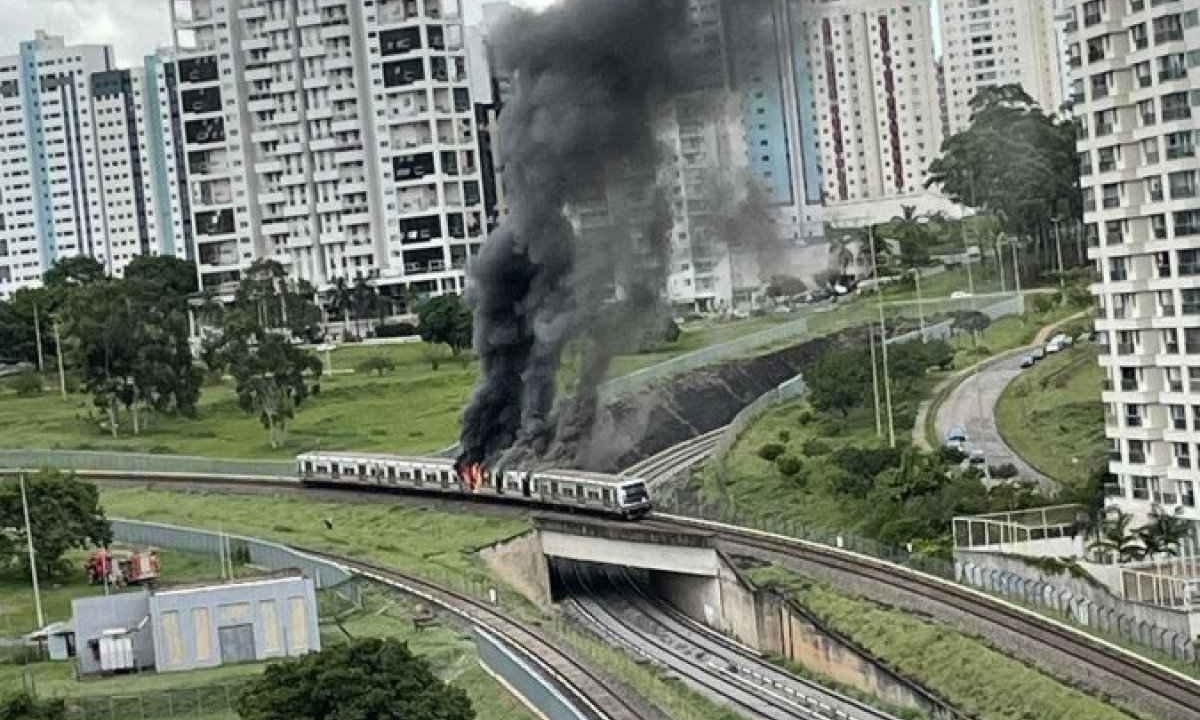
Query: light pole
[
  {"x": 1016, "y": 265},
  {"x": 920, "y": 307},
  {"x": 887, "y": 383},
  {"x": 37, "y": 594},
  {"x": 62, "y": 376}
]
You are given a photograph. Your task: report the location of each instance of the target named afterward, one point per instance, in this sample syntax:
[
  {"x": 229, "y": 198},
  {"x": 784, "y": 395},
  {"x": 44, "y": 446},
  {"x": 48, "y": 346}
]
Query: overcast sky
[{"x": 133, "y": 27}]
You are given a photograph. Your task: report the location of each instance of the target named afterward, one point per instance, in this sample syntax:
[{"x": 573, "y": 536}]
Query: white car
[
  {"x": 960, "y": 295},
  {"x": 1053, "y": 346}
]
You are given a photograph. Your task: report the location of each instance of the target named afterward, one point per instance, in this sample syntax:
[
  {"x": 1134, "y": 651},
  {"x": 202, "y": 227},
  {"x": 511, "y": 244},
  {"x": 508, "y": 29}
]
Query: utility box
[{"x": 116, "y": 651}]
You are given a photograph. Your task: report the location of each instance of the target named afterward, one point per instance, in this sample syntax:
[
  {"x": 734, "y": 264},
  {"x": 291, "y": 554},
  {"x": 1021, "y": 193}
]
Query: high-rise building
[
  {"x": 335, "y": 137},
  {"x": 873, "y": 107},
  {"x": 1132, "y": 64},
  {"x": 88, "y": 160},
  {"x": 986, "y": 43}
]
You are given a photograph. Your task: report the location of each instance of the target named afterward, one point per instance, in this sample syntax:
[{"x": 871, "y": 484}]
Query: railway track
[
  {"x": 1177, "y": 694},
  {"x": 719, "y": 668},
  {"x": 665, "y": 465},
  {"x": 591, "y": 693}
]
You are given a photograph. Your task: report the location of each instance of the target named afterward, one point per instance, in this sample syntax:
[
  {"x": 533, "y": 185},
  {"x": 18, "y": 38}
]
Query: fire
[{"x": 472, "y": 475}]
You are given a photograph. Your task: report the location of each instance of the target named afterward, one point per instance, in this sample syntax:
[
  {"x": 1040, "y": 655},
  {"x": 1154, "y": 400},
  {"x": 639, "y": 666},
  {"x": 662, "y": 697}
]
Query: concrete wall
[
  {"x": 697, "y": 597},
  {"x": 281, "y": 613},
  {"x": 1094, "y": 605},
  {"x": 521, "y": 563},
  {"x": 649, "y": 556},
  {"x": 91, "y": 616},
  {"x": 800, "y": 638}
]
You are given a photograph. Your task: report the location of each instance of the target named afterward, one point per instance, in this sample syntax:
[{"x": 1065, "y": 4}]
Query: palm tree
[
  {"x": 364, "y": 299},
  {"x": 341, "y": 300},
  {"x": 1114, "y": 537},
  {"x": 1163, "y": 534}
]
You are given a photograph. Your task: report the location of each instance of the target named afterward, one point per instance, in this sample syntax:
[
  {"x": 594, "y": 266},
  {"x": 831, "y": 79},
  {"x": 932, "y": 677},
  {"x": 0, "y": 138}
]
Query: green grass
[
  {"x": 1052, "y": 415},
  {"x": 403, "y": 537},
  {"x": 448, "y": 649},
  {"x": 971, "y": 675},
  {"x": 17, "y": 614}
]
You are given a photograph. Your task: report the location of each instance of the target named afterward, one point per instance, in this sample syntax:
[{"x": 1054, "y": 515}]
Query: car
[
  {"x": 1062, "y": 340},
  {"x": 960, "y": 295},
  {"x": 977, "y": 458},
  {"x": 956, "y": 438},
  {"x": 1027, "y": 361},
  {"x": 1038, "y": 353},
  {"x": 1052, "y": 347}
]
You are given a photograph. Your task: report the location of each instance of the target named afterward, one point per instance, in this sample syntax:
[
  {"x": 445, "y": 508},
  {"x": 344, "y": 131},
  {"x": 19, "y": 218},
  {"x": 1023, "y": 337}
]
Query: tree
[
  {"x": 367, "y": 679},
  {"x": 64, "y": 512},
  {"x": 1163, "y": 534},
  {"x": 909, "y": 230},
  {"x": 1115, "y": 536},
  {"x": 172, "y": 275},
  {"x": 364, "y": 300},
  {"x": 785, "y": 286},
  {"x": 446, "y": 320},
  {"x": 971, "y": 321},
  {"x": 73, "y": 272},
  {"x": 267, "y": 299},
  {"x": 838, "y": 380},
  {"x": 342, "y": 300},
  {"x": 1015, "y": 162},
  {"x": 269, "y": 372},
  {"x": 23, "y": 706}
]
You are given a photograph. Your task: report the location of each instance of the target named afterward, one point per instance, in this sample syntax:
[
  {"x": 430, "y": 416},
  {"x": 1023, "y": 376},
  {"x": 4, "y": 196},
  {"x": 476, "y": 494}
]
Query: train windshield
[{"x": 635, "y": 494}]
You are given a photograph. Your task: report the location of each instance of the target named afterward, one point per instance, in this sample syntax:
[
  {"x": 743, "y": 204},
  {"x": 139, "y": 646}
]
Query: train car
[{"x": 561, "y": 489}]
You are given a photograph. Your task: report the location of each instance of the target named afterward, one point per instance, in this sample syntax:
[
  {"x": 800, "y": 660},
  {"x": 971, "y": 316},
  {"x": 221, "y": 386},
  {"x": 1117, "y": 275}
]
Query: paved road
[{"x": 972, "y": 405}]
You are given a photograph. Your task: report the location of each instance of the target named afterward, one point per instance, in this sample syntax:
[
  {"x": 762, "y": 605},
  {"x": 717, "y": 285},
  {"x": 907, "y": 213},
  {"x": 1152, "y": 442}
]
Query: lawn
[
  {"x": 970, "y": 674},
  {"x": 16, "y": 594},
  {"x": 405, "y": 537},
  {"x": 412, "y": 409},
  {"x": 447, "y": 648},
  {"x": 1052, "y": 415}
]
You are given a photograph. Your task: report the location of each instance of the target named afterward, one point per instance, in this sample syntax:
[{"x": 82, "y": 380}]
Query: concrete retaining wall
[{"x": 521, "y": 563}]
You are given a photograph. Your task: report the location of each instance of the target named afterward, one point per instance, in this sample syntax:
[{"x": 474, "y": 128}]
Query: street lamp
[
  {"x": 887, "y": 383},
  {"x": 1058, "y": 246}
]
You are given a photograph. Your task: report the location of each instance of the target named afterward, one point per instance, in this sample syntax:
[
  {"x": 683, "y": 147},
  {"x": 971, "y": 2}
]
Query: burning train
[{"x": 571, "y": 490}]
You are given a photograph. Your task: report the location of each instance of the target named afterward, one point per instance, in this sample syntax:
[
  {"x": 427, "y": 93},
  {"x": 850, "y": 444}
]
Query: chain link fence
[{"x": 212, "y": 702}]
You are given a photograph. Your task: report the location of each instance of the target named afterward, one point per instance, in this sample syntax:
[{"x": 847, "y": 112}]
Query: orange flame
[{"x": 472, "y": 475}]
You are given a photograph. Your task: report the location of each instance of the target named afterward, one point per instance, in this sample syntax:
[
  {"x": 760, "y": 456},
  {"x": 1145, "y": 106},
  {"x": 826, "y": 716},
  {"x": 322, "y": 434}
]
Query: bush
[
  {"x": 394, "y": 330},
  {"x": 1003, "y": 472},
  {"x": 1042, "y": 304},
  {"x": 770, "y": 451},
  {"x": 789, "y": 466},
  {"x": 784, "y": 436},
  {"x": 378, "y": 364},
  {"x": 805, "y": 418},
  {"x": 815, "y": 446},
  {"x": 28, "y": 384},
  {"x": 951, "y": 455},
  {"x": 866, "y": 462}
]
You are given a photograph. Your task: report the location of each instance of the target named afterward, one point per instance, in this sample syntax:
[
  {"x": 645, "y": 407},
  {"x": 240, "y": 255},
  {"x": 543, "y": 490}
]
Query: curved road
[{"x": 972, "y": 405}]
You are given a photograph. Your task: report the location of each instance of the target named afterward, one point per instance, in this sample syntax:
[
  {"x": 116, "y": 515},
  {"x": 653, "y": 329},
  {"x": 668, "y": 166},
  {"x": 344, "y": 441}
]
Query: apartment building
[
  {"x": 88, "y": 160},
  {"x": 337, "y": 138},
  {"x": 1134, "y": 72},
  {"x": 986, "y": 43},
  {"x": 874, "y": 102}
]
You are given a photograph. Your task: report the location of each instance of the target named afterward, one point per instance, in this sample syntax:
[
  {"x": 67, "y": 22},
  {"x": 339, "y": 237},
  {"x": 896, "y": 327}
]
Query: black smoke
[{"x": 588, "y": 77}]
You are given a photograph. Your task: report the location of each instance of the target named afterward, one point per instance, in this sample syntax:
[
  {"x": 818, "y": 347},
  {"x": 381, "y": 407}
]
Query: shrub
[
  {"x": 394, "y": 330},
  {"x": 866, "y": 462},
  {"x": 815, "y": 446},
  {"x": 378, "y": 364},
  {"x": 770, "y": 451},
  {"x": 805, "y": 418},
  {"x": 784, "y": 436},
  {"x": 789, "y": 466},
  {"x": 28, "y": 384},
  {"x": 1003, "y": 472},
  {"x": 951, "y": 455},
  {"x": 1042, "y": 304}
]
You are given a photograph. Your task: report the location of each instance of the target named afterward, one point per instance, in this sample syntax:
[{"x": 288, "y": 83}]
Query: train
[{"x": 570, "y": 490}]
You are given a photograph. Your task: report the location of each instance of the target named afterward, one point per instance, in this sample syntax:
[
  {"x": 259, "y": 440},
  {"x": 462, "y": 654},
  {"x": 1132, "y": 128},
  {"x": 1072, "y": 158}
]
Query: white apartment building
[
  {"x": 1134, "y": 69},
  {"x": 87, "y": 160},
  {"x": 336, "y": 137},
  {"x": 986, "y": 43},
  {"x": 874, "y": 101}
]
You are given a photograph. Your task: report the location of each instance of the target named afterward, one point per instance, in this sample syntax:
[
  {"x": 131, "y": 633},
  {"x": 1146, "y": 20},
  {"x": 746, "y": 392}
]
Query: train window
[
  {"x": 362, "y": 469},
  {"x": 348, "y": 469},
  {"x": 391, "y": 473},
  {"x": 405, "y": 475},
  {"x": 568, "y": 491},
  {"x": 553, "y": 487},
  {"x": 445, "y": 476},
  {"x": 608, "y": 496},
  {"x": 593, "y": 494}
]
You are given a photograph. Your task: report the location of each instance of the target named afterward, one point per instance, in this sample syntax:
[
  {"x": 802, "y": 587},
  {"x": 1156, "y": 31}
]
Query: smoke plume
[{"x": 588, "y": 76}]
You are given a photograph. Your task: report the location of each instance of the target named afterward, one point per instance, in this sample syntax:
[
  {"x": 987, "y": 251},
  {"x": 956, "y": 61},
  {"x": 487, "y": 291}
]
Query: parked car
[
  {"x": 956, "y": 438},
  {"x": 960, "y": 295},
  {"x": 1062, "y": 340},
  {"x": 1027, "y": 361},
  {"x": 1038, "y": 353},
  {"x": 1053, "y": 346}
]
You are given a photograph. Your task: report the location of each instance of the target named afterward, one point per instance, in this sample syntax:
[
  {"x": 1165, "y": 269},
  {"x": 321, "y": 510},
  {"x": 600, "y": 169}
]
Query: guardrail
[{"x": 520, "y": 678}]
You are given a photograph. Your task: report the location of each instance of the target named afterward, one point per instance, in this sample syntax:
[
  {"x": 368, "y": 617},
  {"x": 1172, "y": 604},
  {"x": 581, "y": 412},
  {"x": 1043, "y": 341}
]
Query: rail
[{"x": 571, "y": 690}]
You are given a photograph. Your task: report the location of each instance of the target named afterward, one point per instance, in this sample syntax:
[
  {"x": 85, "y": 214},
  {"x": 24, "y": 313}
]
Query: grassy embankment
[
  {"x": 1052, "y": 415},
  {"x": 971, "y": 675}
]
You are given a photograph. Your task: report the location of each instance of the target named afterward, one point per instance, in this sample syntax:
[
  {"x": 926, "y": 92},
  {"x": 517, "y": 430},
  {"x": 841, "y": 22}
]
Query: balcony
[
  {"x": 1128, "y": 385},
  {"x": 1111, "y": 202},
  {"x": 1092, "y": 18},
  {"x": 1137, "y": 458},
  {"x": 1180, "y": 151},
  {"x": 1168, "y": 35},
  {"x": 1166, "y": 311},
  {"x": 1103, "y": 129},
  {"x": 1126, "y": 349},
  {"x": 1176, "y": 113}
]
